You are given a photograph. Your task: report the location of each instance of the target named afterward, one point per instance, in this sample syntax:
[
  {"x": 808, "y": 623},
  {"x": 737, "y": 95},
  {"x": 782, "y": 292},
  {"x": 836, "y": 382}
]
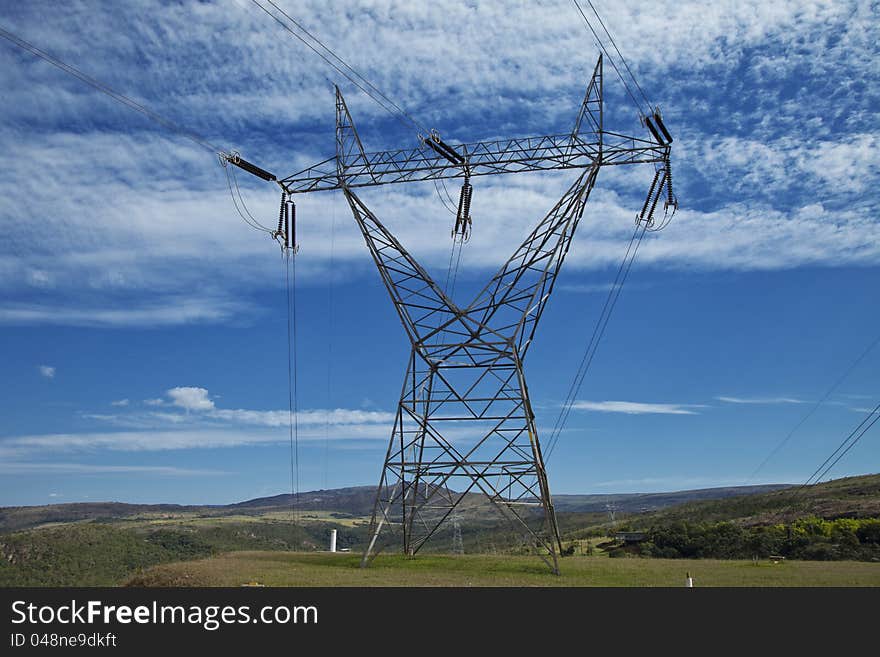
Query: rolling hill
[
  {"x": 107, "y": 543},
  {"x": 354, "y": 501}
]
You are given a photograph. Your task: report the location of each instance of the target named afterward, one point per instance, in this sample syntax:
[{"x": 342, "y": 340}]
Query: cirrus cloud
[{"x": 636, "y": 408}]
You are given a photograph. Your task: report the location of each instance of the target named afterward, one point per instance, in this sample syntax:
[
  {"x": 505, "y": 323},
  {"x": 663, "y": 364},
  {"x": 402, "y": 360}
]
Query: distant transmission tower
[
  {"x": 611, "y": 509},
  {"x": 457, "y": 543},
  {"x": 464, "y": 421}
]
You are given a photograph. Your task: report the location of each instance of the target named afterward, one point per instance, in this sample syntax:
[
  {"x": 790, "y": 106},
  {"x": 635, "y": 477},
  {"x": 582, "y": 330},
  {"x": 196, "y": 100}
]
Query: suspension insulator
[
  {"x": 281, "y": 210},
  {"x": 463, "y": 218},
  {"x": 251, "y": 168},
  {"x": 662, "y": 127},
  {"x": 286, "y": 234},
  {"x": 469, "y": 193},
  {"x": 650, "y": 195},
  {"x": 290, "y": 228},
  {"x": 670, "y": 196},
  {"x": 654, "y": 131},
  {"x": 650, "y": 219},
  {"x": 443, "y": 149}
]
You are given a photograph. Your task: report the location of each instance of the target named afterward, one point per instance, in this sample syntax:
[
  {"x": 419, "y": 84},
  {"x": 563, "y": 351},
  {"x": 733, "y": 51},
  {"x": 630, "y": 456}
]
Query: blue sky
[{"x": 143, "y": 325}]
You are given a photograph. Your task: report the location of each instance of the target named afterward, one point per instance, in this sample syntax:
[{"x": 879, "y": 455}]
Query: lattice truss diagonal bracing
[
  {"x": 464, "y": 426},
  {"x": 464, "y": 421}
]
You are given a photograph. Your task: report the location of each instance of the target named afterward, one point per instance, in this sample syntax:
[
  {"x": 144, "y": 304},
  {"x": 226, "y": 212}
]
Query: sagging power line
[
  {"x": 845, "y": 446},
  {"x": 108, "y": 91},
  {"x": 165, "y": 122},
  {"x": 318, "y": 47},
  {"x": 285, "y": 233},
  {"x": 815, "y": 407}
]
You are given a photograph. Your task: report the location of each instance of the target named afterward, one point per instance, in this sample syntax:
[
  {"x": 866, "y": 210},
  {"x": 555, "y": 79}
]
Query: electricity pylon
[{"x": 464, "y": 421}]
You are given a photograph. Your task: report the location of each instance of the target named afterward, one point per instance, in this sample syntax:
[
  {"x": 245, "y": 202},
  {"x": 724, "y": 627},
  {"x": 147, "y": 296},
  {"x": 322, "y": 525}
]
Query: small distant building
[{"x": 630, "y": 537}]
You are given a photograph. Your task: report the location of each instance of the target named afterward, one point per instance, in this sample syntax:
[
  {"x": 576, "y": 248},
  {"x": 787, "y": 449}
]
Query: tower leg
[
  {"x": 464, "y": 431},
  {"x": 464, "y": 434}
]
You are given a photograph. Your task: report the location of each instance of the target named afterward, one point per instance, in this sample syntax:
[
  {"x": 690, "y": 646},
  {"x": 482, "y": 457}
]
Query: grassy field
[
  {"x": 822, "y": 530},
  {"x": 322, "y": 569}
]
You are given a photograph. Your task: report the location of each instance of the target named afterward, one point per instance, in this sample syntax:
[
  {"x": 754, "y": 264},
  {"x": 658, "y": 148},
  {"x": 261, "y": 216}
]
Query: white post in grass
[{"x": 333, "y": 540}]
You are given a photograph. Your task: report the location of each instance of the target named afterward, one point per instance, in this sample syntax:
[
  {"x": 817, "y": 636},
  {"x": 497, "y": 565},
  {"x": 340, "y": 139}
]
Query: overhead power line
[
  {"x": 848, "y": 443},
  {"x": 289, "y": 263},
  {"x": 598, "y": 331},
  {"x": 815, "y": 407},
  {"x": 112, "y": 93},
  {"x": 232, "y": 182},
  {"x": 608, "y": 56},
  {"x": 622, "y": 58},
  {"x": 340, "y": 65}
]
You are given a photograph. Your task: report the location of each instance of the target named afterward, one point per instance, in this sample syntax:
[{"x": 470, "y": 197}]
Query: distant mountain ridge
[
  {"x": 352, "y": 500},
  {"x": 644, "y": 502}
]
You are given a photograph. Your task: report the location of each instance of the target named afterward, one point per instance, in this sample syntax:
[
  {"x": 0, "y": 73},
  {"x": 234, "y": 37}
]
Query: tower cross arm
[{"x": 514, "y": 155}]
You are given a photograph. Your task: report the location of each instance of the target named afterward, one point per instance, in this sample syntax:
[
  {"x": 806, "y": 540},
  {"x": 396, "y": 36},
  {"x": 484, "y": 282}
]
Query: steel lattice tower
[{"x": 464, "y": 421}]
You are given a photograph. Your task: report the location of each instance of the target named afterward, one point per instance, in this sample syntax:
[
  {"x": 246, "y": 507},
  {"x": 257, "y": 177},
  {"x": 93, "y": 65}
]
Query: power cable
[
  {"x": 330, "y": 328},
  {"x": 596, "y": 337},
  {"x": 373, "y": 92},
  {"x": 456, "y": 268},
  {"x": 815, "y": 407},
  {"x": 609, "y": 57},
  {"x": 861, "y": 429},
  {"x": 397, "y": 107},
  {"x": 622, "y": 58},
  {"x": 292, "y": 414},
  {"x": 231, "y": 181},
  {"x": 104, "y": 89},
  {"x": 243, "y": 211},
  {"x": 448, "y": 203},
  {"x": 365, "y": 85}
]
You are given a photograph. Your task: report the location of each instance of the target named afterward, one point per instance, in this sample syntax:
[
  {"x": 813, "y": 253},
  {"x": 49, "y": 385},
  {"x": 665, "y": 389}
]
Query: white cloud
[
  {"x": 202, "y": 426},
  {"x": 47, "y": 371},
  {"x": 199, "y": 399},
  {"x": 37, "y": 468},
  {"x": 137, "y": 184},
  {"x": 635, "y": 408},
  {"x": 40, "y": 278},
  {"x": 160, "y": 312},
  {"x": 120, "y": 402},
  {"x": 761, "y": 400},
  {"x": 165, "y": 440},
  {"x": 190, "y": 398},
  {"x": 764, "y": 168},
  {"x": 339, "y": 417}
]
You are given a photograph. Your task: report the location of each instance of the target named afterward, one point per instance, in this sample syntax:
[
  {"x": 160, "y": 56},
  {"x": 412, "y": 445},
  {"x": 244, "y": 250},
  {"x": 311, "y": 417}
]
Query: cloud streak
[
  {"x": 168, "y": 440},
  {"x": 636, "y": 408},
  {"x": 761, "y": 400},
  {"x": 37, "y": 468}
]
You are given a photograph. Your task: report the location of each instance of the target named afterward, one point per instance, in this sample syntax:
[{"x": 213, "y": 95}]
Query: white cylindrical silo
[{"x": 333, "y": 540}]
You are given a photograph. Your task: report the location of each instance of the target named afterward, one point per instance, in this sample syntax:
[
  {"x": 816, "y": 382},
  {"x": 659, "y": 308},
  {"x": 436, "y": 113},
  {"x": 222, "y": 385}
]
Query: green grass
[{"x": 305, "y": 569}]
